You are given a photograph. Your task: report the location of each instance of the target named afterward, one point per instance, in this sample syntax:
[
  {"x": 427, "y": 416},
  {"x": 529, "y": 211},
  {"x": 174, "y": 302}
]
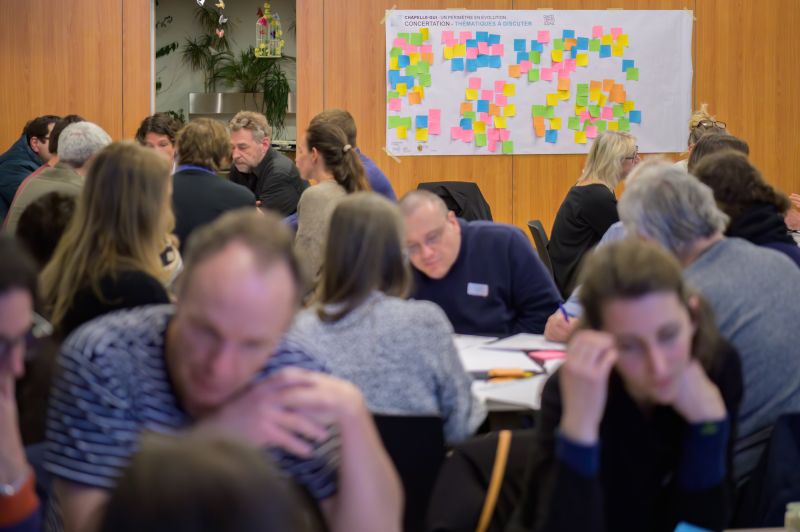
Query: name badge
[{"x": 477, "y": 289}]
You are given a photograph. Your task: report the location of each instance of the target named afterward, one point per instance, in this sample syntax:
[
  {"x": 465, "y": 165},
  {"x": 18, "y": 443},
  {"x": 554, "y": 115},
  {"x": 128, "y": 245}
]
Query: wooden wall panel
[
  {"x": 137, "y": 56},
  {"x": 311, "y": 63}
]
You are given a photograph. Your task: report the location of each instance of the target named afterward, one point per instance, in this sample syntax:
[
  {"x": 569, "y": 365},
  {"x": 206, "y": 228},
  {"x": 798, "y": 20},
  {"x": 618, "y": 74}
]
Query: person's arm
[
  {"x": 600, "y": 212},
  {"x": 81, "y": 506},
  {"x": 278, "y": 190},
  {"x": 533, "y": 293},
  {"x": 313, "y": 212}
]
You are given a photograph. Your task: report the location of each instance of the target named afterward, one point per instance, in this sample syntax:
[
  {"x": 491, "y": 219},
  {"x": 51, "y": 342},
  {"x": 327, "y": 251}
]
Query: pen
[
  {"x": 503, "y": 373},
  {"x": 564, "y": 312}
]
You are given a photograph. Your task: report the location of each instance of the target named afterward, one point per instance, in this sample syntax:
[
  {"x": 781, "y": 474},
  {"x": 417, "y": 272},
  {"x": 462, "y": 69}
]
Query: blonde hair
[
  {"x": 604, "y": 162},
  {"x": 696, "y": 130},
  {"x": 255, "y": 122},
  {"x": 121, "y": 222}
]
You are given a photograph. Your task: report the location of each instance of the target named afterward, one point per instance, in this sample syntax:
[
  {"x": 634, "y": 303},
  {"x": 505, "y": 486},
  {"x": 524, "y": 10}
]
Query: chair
[
  {"x": 416, "y": 446},
  {"x": 463, "y": 198},
  {"x": 540, "y": 239}
]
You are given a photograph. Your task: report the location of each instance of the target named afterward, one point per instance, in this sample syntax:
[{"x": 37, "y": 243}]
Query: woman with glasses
[
  {"x": 590, "y": 206},
  {"x": 701, "y": 123},
  {"x": 399, "y": 353}
]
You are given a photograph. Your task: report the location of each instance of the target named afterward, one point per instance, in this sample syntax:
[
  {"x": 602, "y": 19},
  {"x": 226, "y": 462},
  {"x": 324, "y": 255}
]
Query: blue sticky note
[
  {"x": 472, "y": 43},
  {"x": 495, "y": 61},
  {"x": 494, "y": 38},
  {"x": 472, "y": 65},
  {"x": 483, "y": 61},
  {"x": 583, "y": 43},
  {"x": 626, "y": 64},
  {"x": 422, "y": 121},
  {"x": 573, "y": 52},
  {"x": 519, "y": 45},
  {"x": 394, "y": 77},
  {"x": 551, "y": 136},
  {"x": 483, "y": 106},
  {"x": 466, "y": 123},
  {"x": 686, "y": 527},
  {"x": 482, "y": 36},
  {"x": 457, "y": 64},
  {"x": 403, "y": 61},
  {"x": 536, "y": 46},
  {"x": 605, "y": 50},
  {"x": 568, "y": 34},
  {"x": 635, "y": 117},
  {"x": 522, "y": 56},
  {"x": 408, "y": 80}
]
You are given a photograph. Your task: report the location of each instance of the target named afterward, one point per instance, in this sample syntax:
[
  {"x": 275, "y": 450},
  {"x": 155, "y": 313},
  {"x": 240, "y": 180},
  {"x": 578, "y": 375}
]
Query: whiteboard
[{"x": 461, "y": 82}]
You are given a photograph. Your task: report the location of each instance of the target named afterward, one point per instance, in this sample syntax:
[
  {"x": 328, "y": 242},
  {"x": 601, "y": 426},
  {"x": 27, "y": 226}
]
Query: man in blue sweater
[{"x": 485, "y": 276}]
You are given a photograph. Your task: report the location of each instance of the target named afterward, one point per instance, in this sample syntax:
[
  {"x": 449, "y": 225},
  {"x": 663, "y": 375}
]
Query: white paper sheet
[
  {"x": 527, "y": 342},
  {"x": 482, "y": 359}
]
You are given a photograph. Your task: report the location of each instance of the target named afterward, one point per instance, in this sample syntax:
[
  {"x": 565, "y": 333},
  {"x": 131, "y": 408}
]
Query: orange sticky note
[
  {"x": 563, "y": 95},
  {"x": 466, "y": 107},
  {"x": 428, "y": 57},
  {"x": 557, "y": 56},
  {"x": 510, "y": 110},
  {"x": 563, "y": 84},
  {"x": 402, "y": 132},
  {"x": 618, "y": 94},
  {"x": 494, "y": 110},
  {"x": 509, "y": 89},
  {"x": 552, "y": 100},
  {"x": 421, "y": 135},
  {"x": 538, "y": 125},
  {"x": 414, "y": 98},
  {"x": 628, "y": 106},
  {"x": 613, "y": 126},
  {"x": 580, "y": 137},
  {"x": 555, "y": 123},
  {"x": 608, "y": 84},
  {"x": 513, "y": 71},
  {"x": 595, "y": 86},
  {"x": 569, "y": 43},
  {"x": 582, "y": 60}
]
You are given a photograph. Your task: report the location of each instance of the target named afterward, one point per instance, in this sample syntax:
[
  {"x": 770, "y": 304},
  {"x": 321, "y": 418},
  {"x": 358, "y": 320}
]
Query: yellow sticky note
[
  {"x": 563, "y": 95},
  {"x": 425, "y": 34},
  {"x": 479, "y": 127},
  {"x": 628, "y": 106},
  {"x": 580, "y": 137},
  {"x": 421, "y": 135},
  {"x": 401, "y": 89},
  {"x": 607, "y": 39},
  {"x": 557, "y": 56},
  {"x": 448, "y": 52},
  {"x": 552, "y": 100},
  {"x": 594, "y": 96},
  {"x": 499, "y": 122},
  {"x": 393, "y": 63},
  {"x": 513, "y": 71},
  {"x": 509, "y": 89},
  {"x": 580, "y": 109},
  {"x": 603, "y": 100},
  {"x": 623, "y": 39},
  {"x": 613, "y": 126},
  {"x": 582, "y": 59},
  {"x": 472, "y": 94},
  {"x": 402, "y": 132},
  {"x": 617, "y": 50},
  {"x": 413, "y": 58},
  {"x": 460, "y": 50},
  {"x": 510, "y": 110},
  {"x": 555, "y": 123}
]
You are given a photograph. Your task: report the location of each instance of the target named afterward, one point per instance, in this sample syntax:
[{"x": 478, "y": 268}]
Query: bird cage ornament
[{"x": 269, "y": 36}]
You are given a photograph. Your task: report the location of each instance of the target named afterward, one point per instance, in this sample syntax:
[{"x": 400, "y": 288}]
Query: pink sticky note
[
  {"x": 504, "y": 135},
  {"x": 394, "y": 104},
  {"x": 486, "y": 118},
  {"x": 483, "y": 48},
  {"x": 498, "y": 86},
  {"x": 497, "y": 49},
  {"x": 492, "y": 145},
  {"x": 571, "y": 65},
  {"x": 466, "y": 135},
  {"x": 427, "y": 49},
  {"x": 399, "y": 42},
  {"x": 547, "y": 355},
  {"x": 500, "y": 99},
  {"x": 451, "y": 42},
  {"x": 494, "y": 134},
  {"x": 546, "y": 74},
  {"x": 474, "y": 83},
  {"x": 608, "y": 113},
  {"x": 525, "y": 65},
  {"x": 472, "y": 53},
  {"x": 455, "y": 133},
  {"x": 434, "y": 128},
  {"x": 591, "y": 131},
  {"x": 487, "y": 95},
  {"x": 597, "y": 32},
  {"x": 585, "y": 115},
  {"x": 616, "y": 32},
  {"x": 464, "y": 36},
  {"x": 557, "y": 67},
  {"x": 434, "y": 115},
  {"x": 409, "y": 49},
  {"x": 563, "y": 74},
  {"x": 543, "y": 36},
  {"x": 446, "y": 36}
]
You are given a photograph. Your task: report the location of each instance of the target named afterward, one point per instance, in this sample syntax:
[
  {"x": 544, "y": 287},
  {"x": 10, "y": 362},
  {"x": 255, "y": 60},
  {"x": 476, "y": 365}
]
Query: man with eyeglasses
[
  {"x": 19, "y": 506},
  {"x": 486, "y": 276},
  {"x": 27, "y": 154}
]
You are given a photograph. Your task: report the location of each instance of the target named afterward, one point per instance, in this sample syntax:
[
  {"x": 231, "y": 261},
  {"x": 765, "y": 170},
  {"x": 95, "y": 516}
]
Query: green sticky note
[
  {"x": 633, "y": 74},
  {"x": 508, "y": 147},
  {"x": 394, "y": 121},
  {"x": 392, "y": 94},
  {"x": 415, "y": 39},
  {"x": 395, "y": 52},
  {"x": 594, "y": 45},
  {"x": 550, "y": 112},
  {"x": 594, "y": 110},
  {"x": 624, "y": 124},
  {"x": 582, "y": 100},
  {"x": 411, "y": 70},
  {"x": 538, "y": 110},
  {"x": 533, "y": 74},
  {"x": 602, "y": 125},
  {"x": 402, "y": 36},
  {"x": 583, "y": 89},
  {"x": 480, "y": 140},
  {"x": 469, "y": 114},
  {"x": 558, "y": 44},
  {"x": 535, "y": 57},
  {"x": 574, "y": 123},
  {"x": 425, "y": 80},
  {"x": 423, "y": 67},
  {"x": 406, "y": 122},
  {"x": 618, "y": 111}
]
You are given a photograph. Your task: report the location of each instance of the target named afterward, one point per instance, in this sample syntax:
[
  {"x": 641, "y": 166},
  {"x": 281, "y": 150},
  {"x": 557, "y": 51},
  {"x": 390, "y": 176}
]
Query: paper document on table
[
  {"x": 527, "y": 342},
  {"x": 483, "y": 359},
  {"x": 465, "y": 341},
  {"x": 521, "y": 392}
]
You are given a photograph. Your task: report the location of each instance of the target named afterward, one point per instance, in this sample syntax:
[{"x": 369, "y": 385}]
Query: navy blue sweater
[{"x": 497, "y": 285}]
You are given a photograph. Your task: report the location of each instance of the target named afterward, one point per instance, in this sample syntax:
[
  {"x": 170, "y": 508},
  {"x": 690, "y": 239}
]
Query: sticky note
[
  {"x": 415, "y": 39},
  {"x": 495, "y": 61},
  {"x": 447, "y": 52},
  {"x": 497, "y": 49},
  {"x": 471, "y": 94},
  {"x": 602, "y": 125},
  {"x": 549, "y": 112},
  {"x": 402, "y": 132},
  {"x": 499, "y": 122},
  {"x": 483, "y": 106},
  {"x": 633, "y": 74},
  {"x": 392, "y": 94},
  {"x": 482, "y": 36},
  {"x": 594, "y": 110},
  {"x": 466, "y": 107},
  {"x": 472, "y": 65},
  {"x": 510, "y": 110},
  {"x": 524, "y": 66},
  {"x": 425, "y": 80},
  {"x": 581, "y": 110},
  {"x": 539, "y": 131},
  {"x": 563, "y": 95},
  {"x": 421, "y": 121},
  {"x": 472, "y": 53},
  {"x": 465, "y": 35},
  {"x": 403, "y": 61},
  {"x": 421, "y": 135},
  {"x": 552, "y": 99},
  {"x": 434, "y": 128},
  {"x": 501, "y": 99},
  {"x": 635, "y": 117},
  {"x": 519, "y": 45},
  {"x": 623, "y": 39},
  {"x": 547, "y": 74},
  {"x": 470, "y": 115},
  {"x": 455, "y": 133},
  {"x": 574, "y": 122},
  {"x": 582, "y": 101},
  {"x": 563, "y": 84},
  {"x": 603, "y": 100},
  {"x": 483, "y": 48},
  {"x": 457, "y": 64},
  {"x": 594, "y": 45},
  {"x": 607, "y": 39},
  {"x": 479, "y": 127},
  {"x": 465, "y": 123},
  {"x": 414, "y": 98},
  {"x": 509, "y": 89},
  {"x": 424, "y": 33},
  {"x": 616, "y": 32},
  {"x": 513, "y": 71},
  {"x": 498, "y": 85},
  {"x": 580, "y": 137},
  {"x": 591, "y": 132},
  {"x": 626, "y": 64},
  {"x": 538, "y": 121},
  {"x": 467, "y": 135},
  {"x": 613, "y": 126},
  {"x": 460, "y": 50},
  {"x": 608, "y": 113},
  {"x": 582, "y": 60},
  {"x": 447, "y": 35},
  {"x": 551, "y": 136},
  {"x": 494, "y": 110},
  {"x": 533, "y": 74},
  {"x": 486, "y": 94},
  {"x": 394, "y": 64},
  {"x": 480, "y": 140},
  {"x": 597, "y": 32},
  {"x": 617, "y": 50},
  {"x": 474, "y": 83},
  {"x": 536, "y": 46},
  {"x": 494, "y": 38},
  {"x": 423, "y": 67},
  {"x": 558, "y": 44},
  {"x": 608, "y": 84},
  {"x": 538, "y": 110},
  {"x": 555, "y": 123},
  {"x": 570, "y": 65},
  {"x": 508, "y": 147},
  {"x": 618, "y": 94},
  {"x": 395, "y": 104},
  {"x": 402, "y": 88},
  {"x": 535, "y": 57},
  {"x": 556, "y": 56},
  {"x": 543, "y": 36},
  {"x": 628, "y": 106},
  {"x": 394, "y": 121},
  {"x": 582, "y": 43},
  {"x": 485, "y": 118},
  {"x": 624, "y": 124},
  {"x": 605, "y": 51}
]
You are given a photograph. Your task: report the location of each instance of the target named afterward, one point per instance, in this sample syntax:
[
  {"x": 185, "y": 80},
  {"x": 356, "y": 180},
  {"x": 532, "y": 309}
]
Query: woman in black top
[
  {"x": 590, "y": 207},
  {"x": 109, "y": 256},
  {"x": 636, "y": 428}
]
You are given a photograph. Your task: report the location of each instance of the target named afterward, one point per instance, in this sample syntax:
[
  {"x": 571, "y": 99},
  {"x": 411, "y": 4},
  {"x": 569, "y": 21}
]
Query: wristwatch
[{"x": 9, "y": 490}]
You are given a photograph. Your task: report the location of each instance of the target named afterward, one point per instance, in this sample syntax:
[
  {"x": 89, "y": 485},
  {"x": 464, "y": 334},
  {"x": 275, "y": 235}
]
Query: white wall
[{"x": 177, "y": 80}]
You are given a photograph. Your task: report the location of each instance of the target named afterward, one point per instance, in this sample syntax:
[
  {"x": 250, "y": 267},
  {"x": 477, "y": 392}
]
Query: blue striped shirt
[{"x": 113, "y": 384}]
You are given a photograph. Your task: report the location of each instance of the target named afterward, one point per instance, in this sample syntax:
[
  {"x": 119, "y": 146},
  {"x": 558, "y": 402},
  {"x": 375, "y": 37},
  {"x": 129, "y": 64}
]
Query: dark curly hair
[
  {"x": 160, "y": 123},
  {"x": 713, "y": 143}
]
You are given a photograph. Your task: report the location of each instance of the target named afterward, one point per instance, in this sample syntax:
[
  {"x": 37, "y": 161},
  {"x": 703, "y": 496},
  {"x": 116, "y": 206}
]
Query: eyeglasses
[
  {"x": 30, "y": 339},
  {"x": 634, "y": 156},
  {"x": 711, "y": 123},
  {"x": 431, "y": 239}
]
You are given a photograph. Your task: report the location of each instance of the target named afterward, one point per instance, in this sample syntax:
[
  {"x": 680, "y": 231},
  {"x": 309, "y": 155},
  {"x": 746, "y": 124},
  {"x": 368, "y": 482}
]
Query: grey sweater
[
  {"x": 755, "y": 294},
  {"x": 401, "y": 355}
]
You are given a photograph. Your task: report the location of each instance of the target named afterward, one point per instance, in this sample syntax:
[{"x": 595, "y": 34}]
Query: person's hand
[
  {"x": 584, "y": 384},
  {"x": 13, "y": 464},
  {"x": 557, "y": 328},
  {"x": 795, "y": 199},
  {"x": 792, "y": 219},
  {"x": 698, "y": 399},
  {"x": 326, "y": 399}
]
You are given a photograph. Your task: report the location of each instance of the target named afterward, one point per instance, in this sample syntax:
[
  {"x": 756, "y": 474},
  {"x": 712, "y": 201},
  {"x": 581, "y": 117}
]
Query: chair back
[
  {"x": 540, "y": 240},
  {"x": 416, "y": 446},
  {"x": 464, "y": 198}
]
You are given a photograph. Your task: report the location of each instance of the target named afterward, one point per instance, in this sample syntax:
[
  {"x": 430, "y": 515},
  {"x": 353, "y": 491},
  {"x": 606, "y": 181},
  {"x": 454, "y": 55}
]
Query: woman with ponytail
[{"x": 325, "y": 157}]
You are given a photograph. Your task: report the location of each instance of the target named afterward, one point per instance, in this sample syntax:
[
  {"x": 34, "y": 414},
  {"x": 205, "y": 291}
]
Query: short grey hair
[
  {"x": 417, "y": 198},
  {"x": 667, "y": 204},
  {"x": 255, "y": 122},
  {"x": 79, "y": 141}
]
